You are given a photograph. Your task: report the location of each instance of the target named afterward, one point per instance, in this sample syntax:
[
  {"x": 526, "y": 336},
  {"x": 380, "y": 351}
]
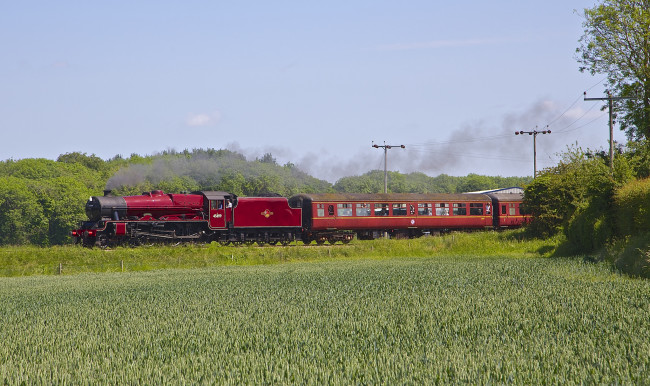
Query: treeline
[
  {"x": 600, "y": 211},
  {"x": 42, "y": 200},
  {"x": 373, "y": 182}
]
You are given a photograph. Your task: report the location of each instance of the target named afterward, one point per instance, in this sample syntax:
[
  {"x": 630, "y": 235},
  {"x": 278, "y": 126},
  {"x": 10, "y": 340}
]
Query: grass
[
  {"x": 340, "y": 319},
  {"x": 26, "y": 261}
]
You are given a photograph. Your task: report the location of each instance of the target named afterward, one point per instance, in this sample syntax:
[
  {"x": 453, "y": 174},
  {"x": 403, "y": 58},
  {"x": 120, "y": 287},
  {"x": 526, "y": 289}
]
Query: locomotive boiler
[{"x": 199, "y": 216}]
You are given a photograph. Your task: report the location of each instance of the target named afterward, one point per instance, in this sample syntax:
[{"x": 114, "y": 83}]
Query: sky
[{"x": 313, "y": 83}]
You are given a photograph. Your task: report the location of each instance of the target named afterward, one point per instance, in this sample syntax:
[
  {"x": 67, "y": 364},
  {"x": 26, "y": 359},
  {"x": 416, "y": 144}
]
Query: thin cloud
[
  {"x": 202, "y": 119},
  {"x": 445, "y": 44}
]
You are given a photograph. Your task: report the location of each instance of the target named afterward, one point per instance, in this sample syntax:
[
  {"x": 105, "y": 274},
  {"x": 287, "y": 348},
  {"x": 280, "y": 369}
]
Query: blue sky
[{"x": 314, "y": 83}]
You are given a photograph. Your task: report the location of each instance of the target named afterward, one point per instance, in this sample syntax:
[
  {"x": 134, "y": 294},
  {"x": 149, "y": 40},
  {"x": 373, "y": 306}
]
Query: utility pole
[
  {"x": 386, "y": 147},
  {"x": 534, "y": 134},
  {"x": 611, "y": 100}
]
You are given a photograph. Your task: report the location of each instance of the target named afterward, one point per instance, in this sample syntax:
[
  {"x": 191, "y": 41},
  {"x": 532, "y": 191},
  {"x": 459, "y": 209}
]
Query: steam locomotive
[{"x": 206, "y": 216}]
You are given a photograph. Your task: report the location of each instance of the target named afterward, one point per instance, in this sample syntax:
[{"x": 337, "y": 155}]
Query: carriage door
[{"x": 217, "y": 214}]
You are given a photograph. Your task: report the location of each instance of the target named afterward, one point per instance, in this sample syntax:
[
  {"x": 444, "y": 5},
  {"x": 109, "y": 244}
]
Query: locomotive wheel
[
  {"x": 331, "y": 240},
  {"x": 320, "y": 242},
  {"x": 285, "y": 242},
  {"x": 346, "y": 241},
  {"x": 273, "y": 242},
  {"x": 249, "y": 242},
  {"x": 261, "y": 243}
]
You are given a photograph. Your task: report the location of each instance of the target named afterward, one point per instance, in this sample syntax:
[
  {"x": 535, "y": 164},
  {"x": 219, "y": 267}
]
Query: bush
[
  {"x": 635, "y": 257},
  {"x": 631, "y": 203},
  {"x": 571, "y": 196}
]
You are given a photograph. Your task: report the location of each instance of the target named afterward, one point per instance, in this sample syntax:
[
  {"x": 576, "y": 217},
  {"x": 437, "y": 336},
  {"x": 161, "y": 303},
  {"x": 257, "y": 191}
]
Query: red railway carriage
[
  {"x": 508, "y": 211},
  {"x": 329, "y": 216}
]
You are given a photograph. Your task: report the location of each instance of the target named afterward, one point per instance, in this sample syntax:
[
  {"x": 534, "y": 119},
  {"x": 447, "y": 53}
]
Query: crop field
[{"x": 400, "y": 320}]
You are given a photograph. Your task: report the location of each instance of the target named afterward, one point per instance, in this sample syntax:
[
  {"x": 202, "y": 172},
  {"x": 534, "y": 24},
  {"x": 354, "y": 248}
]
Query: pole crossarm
[
  {"x": 386, "y": 147},
  {"x": 534, "y": 134},
  {"x": 610, "y": 100}
]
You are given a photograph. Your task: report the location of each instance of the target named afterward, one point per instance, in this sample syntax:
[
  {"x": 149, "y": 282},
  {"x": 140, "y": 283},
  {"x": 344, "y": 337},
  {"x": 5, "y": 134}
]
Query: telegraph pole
[
  {"x": 610, "y": 100},
  {"x": 386, "y": 147},
  {"x": 534, "y": 134}
]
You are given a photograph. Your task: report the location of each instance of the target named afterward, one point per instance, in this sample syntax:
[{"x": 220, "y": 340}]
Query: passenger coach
[{"x": 338, "y": 217}]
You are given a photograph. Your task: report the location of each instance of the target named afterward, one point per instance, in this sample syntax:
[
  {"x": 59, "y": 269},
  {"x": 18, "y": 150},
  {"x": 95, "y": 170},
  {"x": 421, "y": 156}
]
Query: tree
[
  {"x": 22, "y": 220},
  {"x": 574, "y": 196},
  {"x": 616, "y": 42},
  {"x": 268, "y": 159},
  {"x": 89, "y": 161}
]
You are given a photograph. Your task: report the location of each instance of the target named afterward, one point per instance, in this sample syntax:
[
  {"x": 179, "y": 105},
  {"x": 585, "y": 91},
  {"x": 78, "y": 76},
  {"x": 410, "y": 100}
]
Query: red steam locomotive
[{"x": 223, "y": 217}]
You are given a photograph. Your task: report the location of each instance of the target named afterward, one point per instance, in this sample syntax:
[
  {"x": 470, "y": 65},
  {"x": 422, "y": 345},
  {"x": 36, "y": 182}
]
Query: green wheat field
[{"x": 392, "y": 320}]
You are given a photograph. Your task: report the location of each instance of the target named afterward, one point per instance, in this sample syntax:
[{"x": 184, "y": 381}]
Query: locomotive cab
[{"x": 219, "y": 207}]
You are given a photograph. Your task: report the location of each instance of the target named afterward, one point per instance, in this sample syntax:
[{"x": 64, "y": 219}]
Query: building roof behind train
[{"x": 511, "y": 190}]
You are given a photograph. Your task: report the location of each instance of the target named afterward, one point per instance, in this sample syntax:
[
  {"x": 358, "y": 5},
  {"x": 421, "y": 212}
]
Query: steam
[{"x": 475, "y": 147}]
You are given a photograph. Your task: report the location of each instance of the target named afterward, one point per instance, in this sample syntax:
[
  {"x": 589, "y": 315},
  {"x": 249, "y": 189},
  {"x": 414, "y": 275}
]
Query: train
[{"x": 223, "y": 217}]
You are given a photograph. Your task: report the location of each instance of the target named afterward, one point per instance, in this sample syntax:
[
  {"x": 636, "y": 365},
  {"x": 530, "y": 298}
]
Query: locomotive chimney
[{"x": 107, "y": 192}]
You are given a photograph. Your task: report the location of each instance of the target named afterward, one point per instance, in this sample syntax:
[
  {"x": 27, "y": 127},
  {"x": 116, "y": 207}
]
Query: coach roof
[{"x": 391, "y": 197}]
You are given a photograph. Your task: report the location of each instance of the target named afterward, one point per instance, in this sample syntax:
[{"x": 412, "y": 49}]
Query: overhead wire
[{"x": 425, "y": 147}]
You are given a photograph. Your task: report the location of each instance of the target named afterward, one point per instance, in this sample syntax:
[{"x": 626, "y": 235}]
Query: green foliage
[
  {"x": 22, "y": 219},
  {"x": 590, "y": 227},
  {"x": 447, "y": 320},
  {"x": 91, "y": 162},
  {"x": 213, "y": 170},
  {"x": 634, "y": 257},
  {"x": 638, "y": 158},
  {"x": 29, "y": 260},
  {"x": 575, "y": 196},
  {"x": 44, "y": 199},
  {"x": 615, "y": 43},
  {"x": 632, "y": 208},
  {"x": 373, "y": 182}
]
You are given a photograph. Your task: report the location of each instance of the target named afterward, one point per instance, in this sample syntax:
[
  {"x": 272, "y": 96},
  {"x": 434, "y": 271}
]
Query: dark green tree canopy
[{"x": 616, "y": 42}]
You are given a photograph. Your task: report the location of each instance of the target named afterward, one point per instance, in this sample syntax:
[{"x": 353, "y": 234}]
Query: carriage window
[
  {"x": 344, "y": 210},
  {"x": 424, "y": 209},
  {"x": 320, "y": 210},
  {"x": 522, "y": 209},
  {"x": 503, "y": 209},
  {"x": 363, "y": 210},
  {"x": 476, "y": 209},
  {"x": 442, "y": 209},
  {"x": 381, "y": 210},
  {"x": 512, "y": 209},
  {"x": 399, "y": 209},
  {"x": 330, "y": 210},
  {"x": 460, "y": 209}
]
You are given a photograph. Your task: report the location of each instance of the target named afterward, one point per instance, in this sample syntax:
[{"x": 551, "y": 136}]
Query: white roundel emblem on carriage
[
  {"x": 412, "y": 221},
  {"x": 267, "y": 213}
]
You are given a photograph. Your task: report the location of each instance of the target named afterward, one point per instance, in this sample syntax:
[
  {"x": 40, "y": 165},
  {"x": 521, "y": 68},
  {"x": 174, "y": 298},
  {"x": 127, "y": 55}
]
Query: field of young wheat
[{"x": 406, "y": 320}]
